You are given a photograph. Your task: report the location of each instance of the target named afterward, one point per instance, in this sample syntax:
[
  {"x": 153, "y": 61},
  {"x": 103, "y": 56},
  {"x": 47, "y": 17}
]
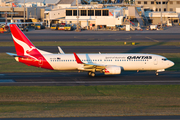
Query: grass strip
[
  {"x": 94, "y": 43},
  {"x": 8, "y": 64},
  {"x": 81, "y": 101}
]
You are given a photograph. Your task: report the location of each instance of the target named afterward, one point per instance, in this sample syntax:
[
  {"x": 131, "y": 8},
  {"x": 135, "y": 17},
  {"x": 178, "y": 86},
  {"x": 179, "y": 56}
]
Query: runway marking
[
  {"x": 152, "y": 39},
  {"x": 128, "y": 38},
  {"x": 83, "y": 82}
]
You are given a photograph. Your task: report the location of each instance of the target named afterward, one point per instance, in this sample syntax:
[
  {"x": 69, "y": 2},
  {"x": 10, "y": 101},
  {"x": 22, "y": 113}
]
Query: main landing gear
[
  {"x": 156, "y": 73},
  {"x": 92, "y": 74}
]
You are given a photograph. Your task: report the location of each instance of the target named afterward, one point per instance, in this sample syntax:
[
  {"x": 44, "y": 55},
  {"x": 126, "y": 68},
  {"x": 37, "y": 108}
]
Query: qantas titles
[{"x": 139, "y": 57}]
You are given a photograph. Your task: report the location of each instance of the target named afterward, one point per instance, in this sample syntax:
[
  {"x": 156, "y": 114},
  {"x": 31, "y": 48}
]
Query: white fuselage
[{"x": 127, "y": 61}]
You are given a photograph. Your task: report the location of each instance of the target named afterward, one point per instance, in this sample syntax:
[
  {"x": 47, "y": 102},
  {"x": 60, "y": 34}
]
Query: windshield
[{"x": 164, "y": 59}]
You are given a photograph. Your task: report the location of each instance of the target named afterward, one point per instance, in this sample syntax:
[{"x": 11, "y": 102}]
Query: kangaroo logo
[
  {"x": 25, "y": 47},
  {"x": 31, "y": 48}
]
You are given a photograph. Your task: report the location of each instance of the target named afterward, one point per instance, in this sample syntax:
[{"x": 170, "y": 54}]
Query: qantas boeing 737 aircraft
[{"x": 109, "y": 64}]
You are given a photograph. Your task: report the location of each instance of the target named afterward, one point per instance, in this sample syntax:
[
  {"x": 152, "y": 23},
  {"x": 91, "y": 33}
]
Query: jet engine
[{"x": 110, "y": 70}]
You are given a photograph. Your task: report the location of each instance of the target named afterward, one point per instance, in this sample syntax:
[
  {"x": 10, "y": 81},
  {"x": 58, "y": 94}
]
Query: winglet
[
  {"x": 77, "y": 59},
  {"x": 60, "y": 50}
]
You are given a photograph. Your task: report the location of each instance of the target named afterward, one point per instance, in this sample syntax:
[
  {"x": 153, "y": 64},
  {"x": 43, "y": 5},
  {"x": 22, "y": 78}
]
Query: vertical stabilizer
[
  {"x": 23, "y": 45},
  {"x": 25, "y": 49}
]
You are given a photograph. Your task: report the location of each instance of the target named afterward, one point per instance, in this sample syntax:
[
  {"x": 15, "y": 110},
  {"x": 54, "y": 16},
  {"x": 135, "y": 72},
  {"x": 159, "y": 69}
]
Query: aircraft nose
[{"x": 171, "y": 63}]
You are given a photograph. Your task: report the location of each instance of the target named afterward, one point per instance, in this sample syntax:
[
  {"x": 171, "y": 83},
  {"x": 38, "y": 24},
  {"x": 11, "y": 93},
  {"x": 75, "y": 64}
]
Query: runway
[
  {"x": 98, "y": 36},
  {"x": 74, "y": 79},
  {"x": 103, "y": 49}
]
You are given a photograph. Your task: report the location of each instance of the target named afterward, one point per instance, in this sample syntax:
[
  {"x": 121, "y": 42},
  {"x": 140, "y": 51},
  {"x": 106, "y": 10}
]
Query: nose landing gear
[{"x": 156, "y": 73}]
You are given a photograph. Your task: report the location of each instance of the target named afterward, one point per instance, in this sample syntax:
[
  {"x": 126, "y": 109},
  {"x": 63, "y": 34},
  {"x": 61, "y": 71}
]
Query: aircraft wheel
[
  {"x": 93, "y": 74},
  {"x": 157, "y": 73},
  {"x": 89, "y": 73}
]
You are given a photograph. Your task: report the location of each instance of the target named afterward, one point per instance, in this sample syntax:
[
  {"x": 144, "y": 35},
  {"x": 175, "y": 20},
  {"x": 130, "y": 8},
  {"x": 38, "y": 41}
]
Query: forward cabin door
[{"x": 155, "y": 60}]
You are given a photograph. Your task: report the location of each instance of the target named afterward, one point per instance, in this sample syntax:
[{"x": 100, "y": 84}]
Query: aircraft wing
[{"x": 89, "y": 66}]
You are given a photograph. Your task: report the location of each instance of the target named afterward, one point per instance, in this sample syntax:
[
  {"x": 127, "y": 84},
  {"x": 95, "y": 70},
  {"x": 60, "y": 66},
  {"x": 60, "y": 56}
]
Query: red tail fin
[
  {"x": 22, "y": 44},
  {"x": 25, "y": 48}
]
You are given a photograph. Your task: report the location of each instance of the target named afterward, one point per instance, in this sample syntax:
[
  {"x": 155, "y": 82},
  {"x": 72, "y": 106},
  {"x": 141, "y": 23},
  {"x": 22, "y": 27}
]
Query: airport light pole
[
  {"x": 161, "y": 15},
  {"x": 77, "y": 28},
  {"x": 24, "y": 11},
  {"x": 12, "y": 13}
]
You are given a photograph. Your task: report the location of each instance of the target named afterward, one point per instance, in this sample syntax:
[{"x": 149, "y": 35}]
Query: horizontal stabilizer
[
  {"x": 15, "y": 55},
  {"x": 12, "y": 54}
]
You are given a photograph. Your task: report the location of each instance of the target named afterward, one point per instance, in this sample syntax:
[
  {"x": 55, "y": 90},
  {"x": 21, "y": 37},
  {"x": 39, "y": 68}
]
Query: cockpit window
[{"x": 164, "y": 59}]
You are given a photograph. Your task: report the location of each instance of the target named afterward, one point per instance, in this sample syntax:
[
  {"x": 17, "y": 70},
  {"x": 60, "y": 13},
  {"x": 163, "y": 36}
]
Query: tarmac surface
[
  {"x": 82, "y": 78},
  {"x": 103, "y": 49},
  {"x": 98, "y": 36},
  {"x": 170, "y": 34}
]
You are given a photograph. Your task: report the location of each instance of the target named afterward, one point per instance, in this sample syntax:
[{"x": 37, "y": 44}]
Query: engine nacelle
[{"x": 112, "y": 70}]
